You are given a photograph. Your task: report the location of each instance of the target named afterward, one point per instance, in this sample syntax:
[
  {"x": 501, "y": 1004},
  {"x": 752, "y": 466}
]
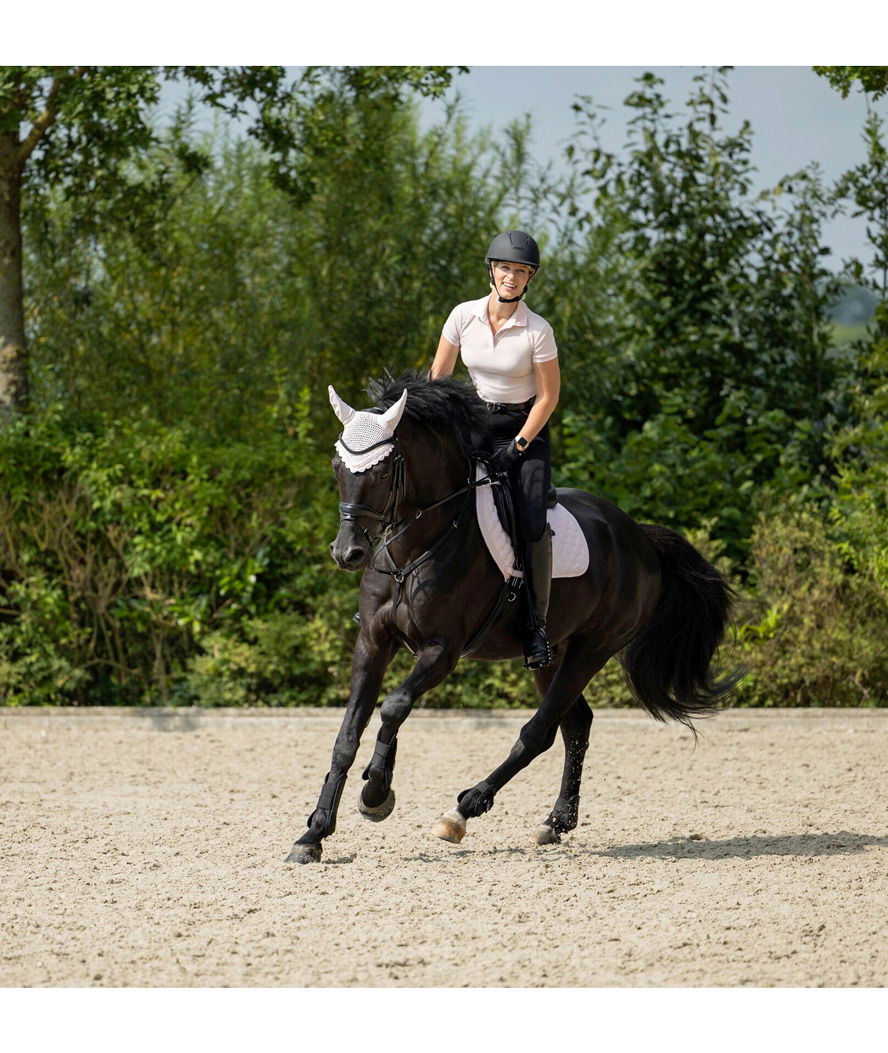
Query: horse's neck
[
  {"x": 435, "y": 498},
  {"x": 428, "y": 522}
]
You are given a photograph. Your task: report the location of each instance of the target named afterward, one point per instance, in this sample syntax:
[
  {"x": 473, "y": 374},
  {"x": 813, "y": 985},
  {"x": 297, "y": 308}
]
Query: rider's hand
[{"x": 504, "y": 459}]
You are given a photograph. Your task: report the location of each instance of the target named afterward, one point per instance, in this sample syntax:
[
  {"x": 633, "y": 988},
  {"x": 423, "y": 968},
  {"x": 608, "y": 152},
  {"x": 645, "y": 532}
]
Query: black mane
[{"x": 445, "y": 403}]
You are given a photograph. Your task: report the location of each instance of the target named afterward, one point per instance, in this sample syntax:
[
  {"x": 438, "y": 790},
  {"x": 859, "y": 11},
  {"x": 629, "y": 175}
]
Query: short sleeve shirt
[{"x": 501, "y": 364}]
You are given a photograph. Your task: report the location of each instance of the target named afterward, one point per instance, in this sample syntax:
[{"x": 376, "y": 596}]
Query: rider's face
[{"x": 511, "y": 278}]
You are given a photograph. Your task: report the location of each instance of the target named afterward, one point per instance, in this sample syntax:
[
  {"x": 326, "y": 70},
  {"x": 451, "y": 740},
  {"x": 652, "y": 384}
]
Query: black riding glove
[{"x": 504, "y": 459}]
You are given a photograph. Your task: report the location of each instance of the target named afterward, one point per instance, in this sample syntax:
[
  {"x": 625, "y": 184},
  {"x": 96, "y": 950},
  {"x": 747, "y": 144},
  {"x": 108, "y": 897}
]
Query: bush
[
  {"x": 131, "y": 555},
  {"x": 813, "y": 628},
  {"x": 142, "y": 564}
]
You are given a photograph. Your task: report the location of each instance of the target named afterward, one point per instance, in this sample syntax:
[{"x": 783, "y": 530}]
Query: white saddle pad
[{"x": 570, "y": 553}]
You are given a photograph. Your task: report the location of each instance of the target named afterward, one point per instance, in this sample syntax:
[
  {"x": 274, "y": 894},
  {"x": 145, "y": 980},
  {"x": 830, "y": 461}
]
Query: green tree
[
  {"x": 82, "y": 130},
  {"x": 860, "y": 510},
  {"x": 389, "y": 242},
  {"x": 713, "y": 359},
  {"x": 865, "y": 187},
  {"x": 240, "y": 297},
  {"x": 871, "y": 79}
]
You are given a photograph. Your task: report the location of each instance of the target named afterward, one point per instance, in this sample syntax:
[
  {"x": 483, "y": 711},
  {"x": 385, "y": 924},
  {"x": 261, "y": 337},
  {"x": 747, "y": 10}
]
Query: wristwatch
[{"x": 521, "y": 443}]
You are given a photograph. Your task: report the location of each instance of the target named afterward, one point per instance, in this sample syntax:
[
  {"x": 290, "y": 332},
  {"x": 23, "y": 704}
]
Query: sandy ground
[{"x": 144, "y": 849}]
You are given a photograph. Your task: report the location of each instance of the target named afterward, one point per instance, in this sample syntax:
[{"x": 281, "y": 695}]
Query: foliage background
[{"x": 168, "y": 503}]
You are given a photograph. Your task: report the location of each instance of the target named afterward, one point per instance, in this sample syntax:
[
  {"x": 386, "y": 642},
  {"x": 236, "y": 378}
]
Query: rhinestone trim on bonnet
[{"x": 366, "y": 436}]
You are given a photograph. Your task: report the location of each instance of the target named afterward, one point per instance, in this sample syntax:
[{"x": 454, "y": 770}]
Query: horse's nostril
[{"x": 353, "y": 556}]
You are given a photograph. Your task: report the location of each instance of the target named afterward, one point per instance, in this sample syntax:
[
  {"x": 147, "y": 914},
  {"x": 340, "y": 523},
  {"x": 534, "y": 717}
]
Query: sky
[{"x": 796, "y": 117}]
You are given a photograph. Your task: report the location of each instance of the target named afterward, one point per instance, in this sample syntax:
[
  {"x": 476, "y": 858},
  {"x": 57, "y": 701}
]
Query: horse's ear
[
  {"x": 393, "y": 414},
  {"x": 342, "y": 409}
]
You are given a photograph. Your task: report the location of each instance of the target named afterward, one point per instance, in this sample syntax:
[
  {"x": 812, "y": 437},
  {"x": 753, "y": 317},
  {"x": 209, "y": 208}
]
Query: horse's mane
[{"x": 445, "y": 403}]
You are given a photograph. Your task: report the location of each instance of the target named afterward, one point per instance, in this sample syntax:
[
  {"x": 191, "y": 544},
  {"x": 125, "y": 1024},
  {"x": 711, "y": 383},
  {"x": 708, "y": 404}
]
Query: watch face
[{"x": 521, "y": 443}]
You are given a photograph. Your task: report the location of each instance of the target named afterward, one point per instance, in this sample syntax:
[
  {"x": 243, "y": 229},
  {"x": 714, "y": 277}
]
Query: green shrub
[
  {"x": 813, "y": 629},
  {"x": 141, "y": 564},
  {"x": 128, "y": 551}
]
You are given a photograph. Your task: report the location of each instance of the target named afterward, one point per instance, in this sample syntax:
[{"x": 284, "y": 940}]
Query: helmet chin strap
[{"x": 502, "y": 299}]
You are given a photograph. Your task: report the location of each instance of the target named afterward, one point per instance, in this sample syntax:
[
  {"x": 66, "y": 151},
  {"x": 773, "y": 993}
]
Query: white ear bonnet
[{"x": 366, "y": 437}]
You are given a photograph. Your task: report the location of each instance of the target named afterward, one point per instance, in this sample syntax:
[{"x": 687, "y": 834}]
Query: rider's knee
[{"x": 532, "y": 524}]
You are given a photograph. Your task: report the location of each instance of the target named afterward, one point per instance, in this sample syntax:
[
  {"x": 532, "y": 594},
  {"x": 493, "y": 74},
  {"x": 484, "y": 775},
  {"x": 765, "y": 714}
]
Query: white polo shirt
[{"x": 500, "y": 364}]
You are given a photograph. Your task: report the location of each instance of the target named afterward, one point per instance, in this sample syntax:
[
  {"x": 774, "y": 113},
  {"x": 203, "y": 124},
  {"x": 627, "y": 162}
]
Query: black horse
[{"x": 408, "y": 521}]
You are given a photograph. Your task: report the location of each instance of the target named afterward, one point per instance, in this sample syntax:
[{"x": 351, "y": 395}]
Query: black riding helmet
[{"x": 514, "y": 246}]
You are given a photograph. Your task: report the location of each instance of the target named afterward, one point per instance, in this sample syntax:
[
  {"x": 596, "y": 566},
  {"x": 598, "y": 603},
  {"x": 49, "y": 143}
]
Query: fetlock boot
[{"x": 538, "y": 581}]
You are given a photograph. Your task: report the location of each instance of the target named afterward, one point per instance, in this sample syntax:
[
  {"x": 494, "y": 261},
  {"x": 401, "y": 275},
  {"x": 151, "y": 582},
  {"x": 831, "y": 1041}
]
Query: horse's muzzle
[{"x": 350, "y": 551}]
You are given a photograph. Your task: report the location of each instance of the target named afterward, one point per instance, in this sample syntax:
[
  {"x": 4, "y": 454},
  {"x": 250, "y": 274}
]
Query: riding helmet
[{"x": 514, "y": 246}]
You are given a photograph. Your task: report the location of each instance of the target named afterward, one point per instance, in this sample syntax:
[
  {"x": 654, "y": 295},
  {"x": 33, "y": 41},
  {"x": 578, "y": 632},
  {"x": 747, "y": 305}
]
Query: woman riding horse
[
  {"x": 407, "y": 522},
  {"x": 512, "y": 359}
]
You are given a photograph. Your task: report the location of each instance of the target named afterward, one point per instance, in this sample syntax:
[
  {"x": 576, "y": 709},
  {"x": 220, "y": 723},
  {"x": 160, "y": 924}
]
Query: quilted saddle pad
[{"x": 570, "y": 552}]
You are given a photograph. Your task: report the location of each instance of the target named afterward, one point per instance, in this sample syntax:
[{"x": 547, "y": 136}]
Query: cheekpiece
[{"x": 367, "y": 437}]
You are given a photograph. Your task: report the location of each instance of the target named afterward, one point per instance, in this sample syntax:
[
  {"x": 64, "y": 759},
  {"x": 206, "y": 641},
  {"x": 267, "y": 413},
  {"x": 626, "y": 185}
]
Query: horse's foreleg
[
  {"x": 574, "y": 727},
  {"x": 433, "y": 664},
  {"x": 368, "y": 667}
]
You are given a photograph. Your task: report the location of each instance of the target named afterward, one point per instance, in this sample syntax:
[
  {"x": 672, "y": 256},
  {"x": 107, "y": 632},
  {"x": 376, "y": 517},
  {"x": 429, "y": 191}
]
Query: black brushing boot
[{"x": 538, "y": 581}]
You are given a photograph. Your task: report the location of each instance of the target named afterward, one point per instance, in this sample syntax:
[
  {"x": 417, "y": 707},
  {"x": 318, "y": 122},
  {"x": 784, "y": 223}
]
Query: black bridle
[
  {"x": 388, "y": 522},
  {"x": 387, "y": 519},
  {"x": 352, "y": 512}
]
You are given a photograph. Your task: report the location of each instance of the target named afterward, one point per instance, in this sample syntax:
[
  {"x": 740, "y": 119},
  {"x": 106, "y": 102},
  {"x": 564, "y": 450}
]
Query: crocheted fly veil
[{"x": 367, "y": 438}]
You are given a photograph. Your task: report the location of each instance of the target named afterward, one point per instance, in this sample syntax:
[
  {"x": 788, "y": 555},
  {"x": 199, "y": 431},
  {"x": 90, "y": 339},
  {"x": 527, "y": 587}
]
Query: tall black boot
[{"x": 538, "y": 581}]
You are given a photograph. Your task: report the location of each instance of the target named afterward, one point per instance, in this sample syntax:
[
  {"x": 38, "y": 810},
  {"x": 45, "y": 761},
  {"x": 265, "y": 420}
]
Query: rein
[{"x": 400, "y": 573}]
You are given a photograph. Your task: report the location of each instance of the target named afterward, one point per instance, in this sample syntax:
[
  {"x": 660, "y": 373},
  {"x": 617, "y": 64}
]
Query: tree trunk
[{"x": 13, "y": 351}]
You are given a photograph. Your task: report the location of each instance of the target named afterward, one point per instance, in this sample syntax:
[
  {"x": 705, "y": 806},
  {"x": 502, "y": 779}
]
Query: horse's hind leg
[
  {"x": 581, "y": 662},
  {"x": 574, "y": 726}
]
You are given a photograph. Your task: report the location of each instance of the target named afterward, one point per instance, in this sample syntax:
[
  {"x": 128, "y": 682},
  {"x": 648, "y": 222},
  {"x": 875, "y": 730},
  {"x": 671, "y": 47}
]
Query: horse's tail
[{"x": 668, "y": 663}]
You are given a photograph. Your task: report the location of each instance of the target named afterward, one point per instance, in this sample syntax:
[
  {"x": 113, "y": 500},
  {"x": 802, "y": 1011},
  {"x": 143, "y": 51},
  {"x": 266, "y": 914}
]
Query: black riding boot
[{"x": 538, "y": 580}]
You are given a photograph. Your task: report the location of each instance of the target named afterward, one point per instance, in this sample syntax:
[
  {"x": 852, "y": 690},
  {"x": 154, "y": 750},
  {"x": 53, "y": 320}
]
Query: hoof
[
  {"x": 450, "y": 827},
  {"x": 304, "y": 854},
  {"x": 381, "y": 811},
  {"x": 546, "y": 835}
]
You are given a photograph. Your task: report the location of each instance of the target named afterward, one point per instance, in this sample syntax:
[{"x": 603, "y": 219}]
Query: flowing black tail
[{"x": 667, "y": 665}]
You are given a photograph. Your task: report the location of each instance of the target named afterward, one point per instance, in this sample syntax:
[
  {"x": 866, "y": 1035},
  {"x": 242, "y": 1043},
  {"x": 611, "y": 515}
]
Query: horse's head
[{"x": 370, "y": 472}]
